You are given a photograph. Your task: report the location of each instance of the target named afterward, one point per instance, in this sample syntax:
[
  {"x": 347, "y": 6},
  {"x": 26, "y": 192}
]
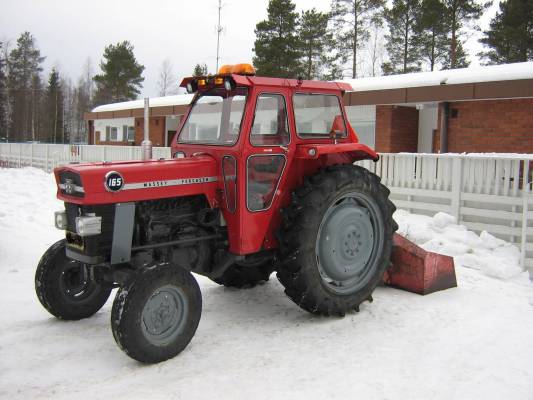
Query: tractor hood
[{"x": 118, "y": 182}]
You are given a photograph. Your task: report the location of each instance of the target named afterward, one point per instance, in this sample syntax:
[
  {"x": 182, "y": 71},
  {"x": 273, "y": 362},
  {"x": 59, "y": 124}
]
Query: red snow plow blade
[{"x": 417, "y": 270}]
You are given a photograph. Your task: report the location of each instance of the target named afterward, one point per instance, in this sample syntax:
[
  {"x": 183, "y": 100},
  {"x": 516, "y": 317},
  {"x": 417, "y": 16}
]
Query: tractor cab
[{"x": 257, "y": 129}]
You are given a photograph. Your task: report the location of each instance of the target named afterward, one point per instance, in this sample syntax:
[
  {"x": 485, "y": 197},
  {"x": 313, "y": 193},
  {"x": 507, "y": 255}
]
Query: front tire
[
  {"x": 336, "y": 240},
  {"x": 156, "y": 314},
  {"x": 64, "y": 288}
]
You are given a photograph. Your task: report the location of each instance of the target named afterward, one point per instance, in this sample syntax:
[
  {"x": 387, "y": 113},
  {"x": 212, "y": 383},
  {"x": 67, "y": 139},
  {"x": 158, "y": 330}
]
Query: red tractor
[{"x": 262, "y": 179}]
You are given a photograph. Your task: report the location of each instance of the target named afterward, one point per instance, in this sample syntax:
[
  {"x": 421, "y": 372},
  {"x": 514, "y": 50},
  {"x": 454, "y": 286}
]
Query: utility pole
[{"x": 219, "y": 31}]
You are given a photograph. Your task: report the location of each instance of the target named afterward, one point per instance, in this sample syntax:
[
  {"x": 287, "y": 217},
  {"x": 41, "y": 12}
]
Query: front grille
[
  {"x": 70, "y": 184},
  {"x": 98, "y": 245}
]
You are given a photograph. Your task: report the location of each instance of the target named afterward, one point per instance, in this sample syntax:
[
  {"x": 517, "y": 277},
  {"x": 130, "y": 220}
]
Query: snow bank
[
  {"x": 441, "y": 234},
  {"x": 470, "y": 342}
]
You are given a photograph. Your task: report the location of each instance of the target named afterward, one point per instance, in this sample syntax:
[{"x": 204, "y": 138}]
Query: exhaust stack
[{"x": 146, "y": 145}]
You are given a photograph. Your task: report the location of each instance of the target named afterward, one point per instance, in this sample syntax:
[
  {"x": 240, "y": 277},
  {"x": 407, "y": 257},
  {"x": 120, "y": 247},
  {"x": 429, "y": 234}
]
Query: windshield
[{"x": 215, "y": 118}]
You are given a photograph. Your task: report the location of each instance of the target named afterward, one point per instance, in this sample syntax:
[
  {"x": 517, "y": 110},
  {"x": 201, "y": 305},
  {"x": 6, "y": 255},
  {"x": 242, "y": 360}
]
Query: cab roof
[{"x": 252, "y": 80}]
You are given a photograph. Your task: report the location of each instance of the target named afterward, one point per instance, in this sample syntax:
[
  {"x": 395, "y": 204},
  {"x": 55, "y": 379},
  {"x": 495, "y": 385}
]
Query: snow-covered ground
[{"x": 470, "y": 342}]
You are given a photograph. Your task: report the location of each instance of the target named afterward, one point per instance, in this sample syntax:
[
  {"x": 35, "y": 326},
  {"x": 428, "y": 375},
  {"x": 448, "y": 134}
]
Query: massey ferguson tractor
[{"x": 262, "y": 179}]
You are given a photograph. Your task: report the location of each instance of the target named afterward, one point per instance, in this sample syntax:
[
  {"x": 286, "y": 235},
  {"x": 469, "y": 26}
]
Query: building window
[
  {"x": 128, "y": 133},
  {"x": 111, "y": 133}
]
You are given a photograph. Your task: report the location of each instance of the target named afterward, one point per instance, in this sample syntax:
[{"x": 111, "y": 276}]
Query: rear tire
[
  {"x": 64, "y": 288},
  {"x": 156, "y": 314},
  {"x": 336, "y": 240}
]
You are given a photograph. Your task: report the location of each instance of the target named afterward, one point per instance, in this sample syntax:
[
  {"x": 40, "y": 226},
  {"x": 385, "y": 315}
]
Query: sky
[{"x": 68, "y": 32}]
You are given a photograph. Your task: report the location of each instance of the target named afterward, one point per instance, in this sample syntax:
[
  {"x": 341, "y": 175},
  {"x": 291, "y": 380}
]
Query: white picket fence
[
  {"x": 48, "y": 156},
  {"x": 483, "y": 192}
]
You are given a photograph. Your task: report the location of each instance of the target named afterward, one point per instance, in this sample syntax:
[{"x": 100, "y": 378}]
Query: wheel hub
[
  {"x": 164, "y": 314},
  {"x": 346, "y": 243}
]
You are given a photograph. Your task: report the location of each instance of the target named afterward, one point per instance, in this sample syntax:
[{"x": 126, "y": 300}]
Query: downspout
[{"x": 444, "y": 116}]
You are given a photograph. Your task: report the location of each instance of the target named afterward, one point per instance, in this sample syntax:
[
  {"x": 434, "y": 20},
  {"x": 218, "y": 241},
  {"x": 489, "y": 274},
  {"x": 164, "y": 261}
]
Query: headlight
[
  {"x": 60, "y": 218},
  {"x": 88, "y": 226}
]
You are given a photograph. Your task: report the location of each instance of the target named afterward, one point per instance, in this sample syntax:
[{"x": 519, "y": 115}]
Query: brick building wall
[
  {"x": 501, "y": 126},
  {"x": 157, "y": 131},
  {"x": 396, "y": 129}
]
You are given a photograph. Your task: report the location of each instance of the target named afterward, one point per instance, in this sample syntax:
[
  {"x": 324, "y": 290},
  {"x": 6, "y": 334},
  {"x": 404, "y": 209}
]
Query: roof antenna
[{"x": 219, "y": 31}]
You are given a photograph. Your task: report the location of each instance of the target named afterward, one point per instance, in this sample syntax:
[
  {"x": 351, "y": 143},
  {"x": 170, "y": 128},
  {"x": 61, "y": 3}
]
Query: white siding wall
[
  {"x": 427, "y": 121},
  {"x": 363, "y": 121},
  {"x": 100, "y": 126}
]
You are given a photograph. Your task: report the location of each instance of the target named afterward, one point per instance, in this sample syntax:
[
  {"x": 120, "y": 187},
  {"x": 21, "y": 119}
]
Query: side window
[
  {"x": 318, "y": 115},
  {"x": 270, "y": 126},
  {"x": 229, "y": 169},
  {"x": 263, "y": 174}
]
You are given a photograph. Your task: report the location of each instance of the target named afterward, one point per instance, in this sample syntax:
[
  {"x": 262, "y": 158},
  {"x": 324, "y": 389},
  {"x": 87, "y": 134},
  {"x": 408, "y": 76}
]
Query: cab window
[
  {"x": 270, "y": 127},
  {"x": 318, "y": 115}
]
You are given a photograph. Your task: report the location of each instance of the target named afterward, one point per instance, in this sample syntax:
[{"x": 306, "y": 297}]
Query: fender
[
  {"x": 139, "y": 180},
  {"x": 356, "y": 151}
]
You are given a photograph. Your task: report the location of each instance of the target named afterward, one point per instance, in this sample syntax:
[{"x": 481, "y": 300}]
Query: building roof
[
  {"x": 176, "y": 100},
  {"x": 475, "y": 83},
  {"x": 504, "y": 72}
]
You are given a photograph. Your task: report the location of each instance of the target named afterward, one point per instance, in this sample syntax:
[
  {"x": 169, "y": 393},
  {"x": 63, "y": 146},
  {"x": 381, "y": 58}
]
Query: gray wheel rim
[
  {"x": 349, "y": 241},
  {"x": 164, "y": 315}
]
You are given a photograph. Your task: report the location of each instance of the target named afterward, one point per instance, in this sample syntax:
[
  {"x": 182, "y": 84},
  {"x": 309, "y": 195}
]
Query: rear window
[{"x": 318, "y": 115}]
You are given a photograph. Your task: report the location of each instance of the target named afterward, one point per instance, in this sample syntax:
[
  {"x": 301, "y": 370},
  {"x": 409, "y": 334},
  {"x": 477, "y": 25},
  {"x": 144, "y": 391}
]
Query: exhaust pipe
[{"x": 146, "y": 145}]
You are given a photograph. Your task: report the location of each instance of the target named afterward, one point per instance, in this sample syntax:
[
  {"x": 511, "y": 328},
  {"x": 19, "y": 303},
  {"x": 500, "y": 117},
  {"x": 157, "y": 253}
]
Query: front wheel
[
  {"x": 155, "y": 315},
  {"x": 64, "y": 287},
  {"x": 336, "y": 240}
]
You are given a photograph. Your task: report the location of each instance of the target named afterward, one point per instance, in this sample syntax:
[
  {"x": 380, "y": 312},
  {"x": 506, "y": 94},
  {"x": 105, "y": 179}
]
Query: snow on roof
[
  {"x": 177, "y": 100},
  {"x": 504, "y": 72}
]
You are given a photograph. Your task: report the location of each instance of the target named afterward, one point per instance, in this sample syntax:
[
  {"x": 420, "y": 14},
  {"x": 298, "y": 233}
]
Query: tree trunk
[
  {"x": 453, "y": 49},
  {"x": 355, "y": 38}
]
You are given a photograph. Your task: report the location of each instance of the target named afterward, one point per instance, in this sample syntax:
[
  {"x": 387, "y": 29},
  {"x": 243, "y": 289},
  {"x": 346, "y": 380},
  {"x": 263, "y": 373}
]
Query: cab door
[{"x": 267, "y": 154}]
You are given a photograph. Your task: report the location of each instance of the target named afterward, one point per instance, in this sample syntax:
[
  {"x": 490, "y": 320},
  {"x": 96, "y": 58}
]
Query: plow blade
[{"x": 417, "y": 270}]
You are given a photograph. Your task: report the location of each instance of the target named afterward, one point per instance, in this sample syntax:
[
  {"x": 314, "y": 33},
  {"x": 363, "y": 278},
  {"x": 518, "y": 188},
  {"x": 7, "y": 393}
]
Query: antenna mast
[{"x": 219, "y": 31}]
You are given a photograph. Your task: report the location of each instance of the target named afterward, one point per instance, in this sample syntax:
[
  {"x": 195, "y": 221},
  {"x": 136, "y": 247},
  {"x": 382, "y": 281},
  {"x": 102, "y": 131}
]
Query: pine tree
[
  {"x": 200, "y": 70},
  {"x": 316, "y": 44},
  {"x": 510, "y": 35},
  {"x": 432, "y": 32},
  {"x": 457, "y": 14},
  {"x": 276, "y": 47},
  {"x": 3, "y": 97},
  {"x": 402, "y": 41},
  {"x": 23, "y": 81},
  {"x": 121, "y": 78},
  {"x": 461, "y": 58},
  {"x": 352, "y": 18},
  {"x": 54, "y": 108}
]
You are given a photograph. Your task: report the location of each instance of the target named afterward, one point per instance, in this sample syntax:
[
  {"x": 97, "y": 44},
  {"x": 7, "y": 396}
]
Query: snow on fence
[
  {"x": 48, "y": 156},
  {"x": 482, "y": 191}
]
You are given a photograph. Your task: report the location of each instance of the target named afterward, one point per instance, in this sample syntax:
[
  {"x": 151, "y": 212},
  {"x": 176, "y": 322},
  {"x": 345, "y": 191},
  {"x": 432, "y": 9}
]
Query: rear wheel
[
  {"x": 155, "y": 315},
  {"x": 64, "y": 286},
  {"x": 336, "y": 240}
]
